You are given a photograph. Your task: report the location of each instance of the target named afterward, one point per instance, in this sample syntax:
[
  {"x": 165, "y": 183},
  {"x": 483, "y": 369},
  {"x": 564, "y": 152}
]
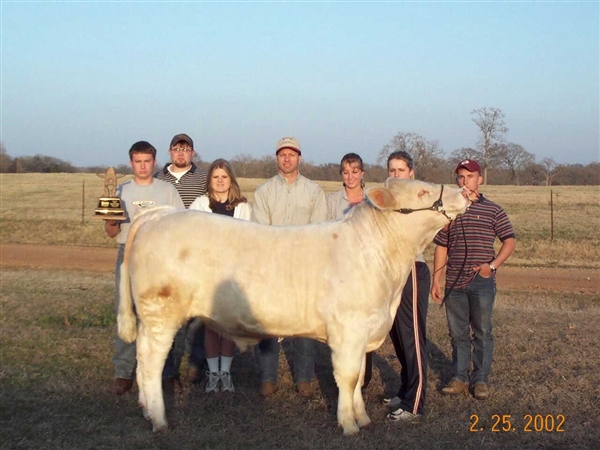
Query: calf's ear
[{"x": 382, "y": 198}]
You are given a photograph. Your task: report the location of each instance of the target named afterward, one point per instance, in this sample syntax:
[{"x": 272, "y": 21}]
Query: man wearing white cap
[{"x": 288, "y": 199}]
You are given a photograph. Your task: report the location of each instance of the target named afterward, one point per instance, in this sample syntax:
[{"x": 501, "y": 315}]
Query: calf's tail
[{"x": 126, "y": 318}]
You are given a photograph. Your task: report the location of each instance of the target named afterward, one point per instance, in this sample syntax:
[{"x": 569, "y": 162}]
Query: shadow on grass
[{"x": 439, "y": 364}]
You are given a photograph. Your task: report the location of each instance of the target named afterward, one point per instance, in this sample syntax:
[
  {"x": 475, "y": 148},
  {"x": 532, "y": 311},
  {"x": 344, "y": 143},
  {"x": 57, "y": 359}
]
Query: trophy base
[
  {"x": 109, "y": 208},
  {"x": 106, "y": 214}
]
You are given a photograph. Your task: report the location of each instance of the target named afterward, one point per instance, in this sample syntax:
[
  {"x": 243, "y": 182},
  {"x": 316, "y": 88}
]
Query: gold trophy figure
[{"x": 109, "y": 206}]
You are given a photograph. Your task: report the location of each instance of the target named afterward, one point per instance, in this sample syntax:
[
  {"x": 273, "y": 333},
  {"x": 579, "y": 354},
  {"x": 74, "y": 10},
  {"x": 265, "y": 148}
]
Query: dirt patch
[
  {"x": 49, "y": 256},
  {"x": 99, "y": 259}
]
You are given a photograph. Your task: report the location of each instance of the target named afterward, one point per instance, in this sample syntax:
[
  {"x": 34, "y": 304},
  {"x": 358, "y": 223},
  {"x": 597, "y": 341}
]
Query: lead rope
[{"x": 462, "y": 267}]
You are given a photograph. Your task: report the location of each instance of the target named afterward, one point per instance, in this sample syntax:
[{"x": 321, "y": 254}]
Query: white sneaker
[
  {"x": 402, "y": 416},
  {"x": 212, "y": 382},
  {"x": 392, "y": 403},
  {"x": 227, "y": 384}
]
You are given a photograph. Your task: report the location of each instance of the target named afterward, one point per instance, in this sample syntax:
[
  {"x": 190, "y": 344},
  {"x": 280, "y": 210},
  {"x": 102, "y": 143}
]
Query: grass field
[
  {"x": 51, "y": 209},
  {"x": 57, "y": 327},
  {"x": 57, "y": 330}
]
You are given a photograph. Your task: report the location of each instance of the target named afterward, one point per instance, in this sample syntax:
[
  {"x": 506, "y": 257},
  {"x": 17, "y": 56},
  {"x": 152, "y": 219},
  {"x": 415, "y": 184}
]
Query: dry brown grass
[
  {"x": 55, "y": 379},
  {"x": 47, "y": 209},
  {"x": 57, "y": 328}
]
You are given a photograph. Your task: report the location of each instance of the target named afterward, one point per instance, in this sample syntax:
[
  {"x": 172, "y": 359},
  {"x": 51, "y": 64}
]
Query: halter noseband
[{"x": 437, "y": 206}]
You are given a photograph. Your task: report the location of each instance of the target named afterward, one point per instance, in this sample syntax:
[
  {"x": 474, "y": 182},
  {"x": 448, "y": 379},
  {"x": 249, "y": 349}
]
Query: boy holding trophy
[{"x": 142, "y": 192}]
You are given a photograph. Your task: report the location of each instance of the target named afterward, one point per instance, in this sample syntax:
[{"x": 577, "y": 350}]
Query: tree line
[{"x": 504, "y": 163}]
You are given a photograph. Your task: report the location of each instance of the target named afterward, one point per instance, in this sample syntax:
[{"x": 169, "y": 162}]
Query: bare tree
[
  {"x": 268, "y": 166},
  {"x": 426, "y": 155},
  {"x": 5, "y": 159},
  {"x": 514, "y": 158},
  {"x": 329, "y": 172},
  {"x": 578, "y": 174},
  {"x": 534, "y": 174},
  {"x": 494, "y": 163},
  {"x": 375, "y": 172},
  {"x": 45, "y": 164},
  {"x": 463, "y": 153},
  {"x": 123, "y": 168},
  {"x": 15, "y": 166},
  {"x": 197, "y": 159},
  {"x": 242, "y": 164},
  {"x": 491, "y": 124},
  {"x": 551, "y": 169}
]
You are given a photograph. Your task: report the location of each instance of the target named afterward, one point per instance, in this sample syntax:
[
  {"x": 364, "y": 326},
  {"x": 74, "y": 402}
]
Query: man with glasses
[
  {"x": 190, "y": 182},
  {"x": 288, "y": 199},
  {"x": 188, "y": 179}
]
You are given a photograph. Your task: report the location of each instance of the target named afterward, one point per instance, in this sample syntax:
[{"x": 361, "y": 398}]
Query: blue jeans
[
  {"x": 125, "y": 352},
  {"x": 267, "y": 356},
  {"x": 470, "y": 308}
]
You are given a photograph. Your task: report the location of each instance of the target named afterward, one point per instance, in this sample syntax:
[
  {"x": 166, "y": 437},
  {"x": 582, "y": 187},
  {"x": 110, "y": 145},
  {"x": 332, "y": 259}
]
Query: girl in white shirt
[{"x": 223, "y": 197}]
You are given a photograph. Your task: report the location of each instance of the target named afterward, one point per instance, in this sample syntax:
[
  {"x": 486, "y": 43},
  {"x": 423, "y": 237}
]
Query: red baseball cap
[{"x": 469, "y": 164}]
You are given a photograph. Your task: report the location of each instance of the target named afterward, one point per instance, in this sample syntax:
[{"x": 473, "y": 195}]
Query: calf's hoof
[
  {"x": 350, "y": 430},
  {"x": 160, "y": 429},
  {"x": 363, "y": 421}
]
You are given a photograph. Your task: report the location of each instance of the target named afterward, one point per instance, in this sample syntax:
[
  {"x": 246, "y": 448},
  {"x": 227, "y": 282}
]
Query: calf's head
[
  {"x": 441, "y": 203},
  {"x": 408, "y": 196}
]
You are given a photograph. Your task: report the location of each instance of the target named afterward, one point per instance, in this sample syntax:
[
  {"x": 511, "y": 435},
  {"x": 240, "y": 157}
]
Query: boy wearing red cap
[{"x": 466, "y": 249}]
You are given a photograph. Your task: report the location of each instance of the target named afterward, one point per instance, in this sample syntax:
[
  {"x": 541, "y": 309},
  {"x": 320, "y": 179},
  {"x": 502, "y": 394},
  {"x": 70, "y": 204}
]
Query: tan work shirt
[
  {"x": 277, "y": 202},
  {"x": 338, "y": 205}
]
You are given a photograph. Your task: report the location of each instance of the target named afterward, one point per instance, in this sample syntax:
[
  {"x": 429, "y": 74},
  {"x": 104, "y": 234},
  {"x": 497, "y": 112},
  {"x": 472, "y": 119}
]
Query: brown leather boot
[
  {"x": 455, "y": 387},
  {"x": 267, "y": 388},
  {"x": 481, "y": 391},
  {"x": 305, "y": 389}
]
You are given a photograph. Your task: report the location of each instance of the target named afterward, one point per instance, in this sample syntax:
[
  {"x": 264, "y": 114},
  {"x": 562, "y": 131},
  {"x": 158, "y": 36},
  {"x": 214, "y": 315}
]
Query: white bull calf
[{"x": 336, "y": 282}]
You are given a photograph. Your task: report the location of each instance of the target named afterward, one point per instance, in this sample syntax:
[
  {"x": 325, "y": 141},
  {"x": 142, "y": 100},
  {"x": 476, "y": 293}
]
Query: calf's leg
[
  {"x": 142, "y": 351},
  {"x": 154, "y": 343},
  {"x": 360, "y": 413},
  {"x": 347, "y": 355}
]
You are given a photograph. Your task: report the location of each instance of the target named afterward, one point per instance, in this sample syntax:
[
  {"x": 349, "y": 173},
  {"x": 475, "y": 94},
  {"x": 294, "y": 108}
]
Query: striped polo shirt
[
  {"x": 481, "y": 224},
  {"x": 190, "y": 186}
]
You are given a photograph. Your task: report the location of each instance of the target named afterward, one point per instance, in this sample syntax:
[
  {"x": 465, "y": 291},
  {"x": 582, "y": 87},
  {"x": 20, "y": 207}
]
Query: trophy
[{"x": 109, "y": 206}]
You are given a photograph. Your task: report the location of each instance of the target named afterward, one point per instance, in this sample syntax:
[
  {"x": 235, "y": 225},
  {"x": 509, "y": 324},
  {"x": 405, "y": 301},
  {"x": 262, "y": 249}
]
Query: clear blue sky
[{"x": 82, "y": 81}]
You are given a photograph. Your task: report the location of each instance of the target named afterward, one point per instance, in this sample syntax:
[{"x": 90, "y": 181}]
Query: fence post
[
  {"x": 551, "y": 216},
  {"x": 83, "y": 204}
]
